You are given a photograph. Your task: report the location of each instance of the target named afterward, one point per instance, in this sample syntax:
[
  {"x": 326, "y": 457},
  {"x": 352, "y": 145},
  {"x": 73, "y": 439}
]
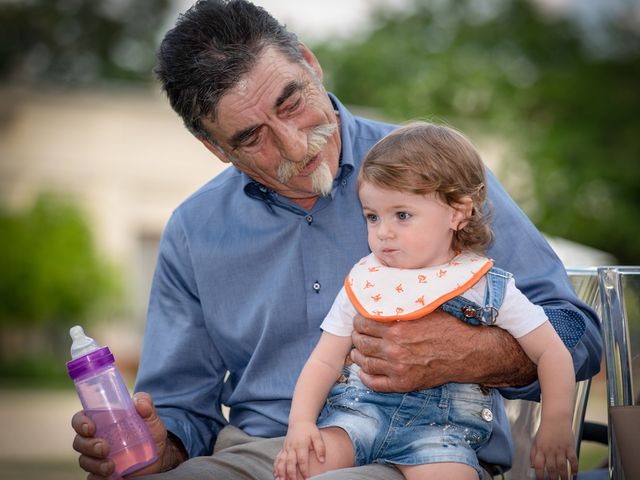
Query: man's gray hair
[{"x": 208, "y": 51}]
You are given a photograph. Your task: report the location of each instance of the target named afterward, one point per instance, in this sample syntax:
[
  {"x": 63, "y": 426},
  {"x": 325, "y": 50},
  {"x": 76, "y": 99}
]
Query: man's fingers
[
  {"x": 97, "y": 468},
  {"x": 379, "y": 383},
  {"x": 367, "y": 345},
  {"x": 143, "y": 404},
  {"x": 367, "y": 326},
  {"x": 382, "y": 376},
  {"x": 83, "y": 425},
  {"x": 92, "y": 447},
  {"x": 147, "y": 410},
  {"x": 367, "y": 364},
  {"x": 93, "y": 451}
]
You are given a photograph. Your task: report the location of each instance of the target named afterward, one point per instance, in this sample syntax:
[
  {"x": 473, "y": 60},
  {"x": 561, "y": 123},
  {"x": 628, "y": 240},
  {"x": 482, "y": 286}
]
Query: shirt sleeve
[
  {"x": 339, "y": 320},
  {"x": 179, "y": 364},
  {"x": 521, "y": 249},
  {"x": 517, "y": 314}
]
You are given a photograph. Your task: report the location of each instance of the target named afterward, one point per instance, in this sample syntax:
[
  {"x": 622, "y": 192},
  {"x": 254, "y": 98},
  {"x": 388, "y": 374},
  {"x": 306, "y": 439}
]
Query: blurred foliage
[
  {"x": 35, "y": 371},
  {"x": 75, "y": 42},
  {"x": 51, "y": 274},
  {"x": 565, "y": 94}
]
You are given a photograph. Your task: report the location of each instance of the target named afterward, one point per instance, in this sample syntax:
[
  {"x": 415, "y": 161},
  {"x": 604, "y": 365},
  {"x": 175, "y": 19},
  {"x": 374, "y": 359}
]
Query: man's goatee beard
[{"x": 322, "y": 180}]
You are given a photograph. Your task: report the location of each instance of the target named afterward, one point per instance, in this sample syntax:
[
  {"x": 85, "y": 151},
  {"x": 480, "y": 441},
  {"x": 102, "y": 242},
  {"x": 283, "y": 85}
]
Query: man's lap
[{"x": 238, "y": 456}]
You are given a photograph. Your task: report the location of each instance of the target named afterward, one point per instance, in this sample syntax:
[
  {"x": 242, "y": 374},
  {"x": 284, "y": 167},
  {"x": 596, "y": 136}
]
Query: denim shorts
[{"x": 443, "y": 424}]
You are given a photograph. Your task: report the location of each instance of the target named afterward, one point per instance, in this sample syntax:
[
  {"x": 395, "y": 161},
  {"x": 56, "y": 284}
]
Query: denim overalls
[{"x": 448, "y": 423}]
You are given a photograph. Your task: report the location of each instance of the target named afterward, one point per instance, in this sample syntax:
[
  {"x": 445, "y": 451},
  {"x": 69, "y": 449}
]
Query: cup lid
[{"x": 90, "y": 363}]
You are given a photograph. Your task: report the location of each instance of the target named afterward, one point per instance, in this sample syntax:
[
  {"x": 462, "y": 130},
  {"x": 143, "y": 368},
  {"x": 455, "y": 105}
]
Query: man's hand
[
  {"x": 94, "y": 451},
  {"x": 416, "y": 354}
]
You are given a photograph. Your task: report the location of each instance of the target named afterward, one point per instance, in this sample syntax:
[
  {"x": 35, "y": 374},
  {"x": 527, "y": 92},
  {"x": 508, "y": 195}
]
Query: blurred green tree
[
  {"x": 75, "y": 42},
  {"x": 52, "y": 275},
  {"x": 565, "y": 93}
]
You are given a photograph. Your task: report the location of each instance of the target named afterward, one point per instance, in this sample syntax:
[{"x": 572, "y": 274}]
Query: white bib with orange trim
[{"x": 388, "y": 294}]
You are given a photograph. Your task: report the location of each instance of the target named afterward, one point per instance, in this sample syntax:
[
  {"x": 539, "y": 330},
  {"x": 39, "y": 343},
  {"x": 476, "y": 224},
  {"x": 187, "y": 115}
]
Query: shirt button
[
  {"x": 309, "y": 219},
  {"x": 316, "y": 286}
]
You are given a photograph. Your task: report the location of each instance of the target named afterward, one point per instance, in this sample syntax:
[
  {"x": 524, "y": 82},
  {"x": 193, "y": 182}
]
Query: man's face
[{"x": 278, "y": 126}]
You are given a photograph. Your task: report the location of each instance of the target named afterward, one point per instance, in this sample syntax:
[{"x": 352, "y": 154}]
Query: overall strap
[
  {"x": 496, "y": 286},
  {"x": 473, "y": 314},
  {"x": 463, "y": 309}
]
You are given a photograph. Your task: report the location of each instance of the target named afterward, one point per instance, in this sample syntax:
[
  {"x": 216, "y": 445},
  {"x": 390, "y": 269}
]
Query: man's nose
[{"x": 292, "y": 142}]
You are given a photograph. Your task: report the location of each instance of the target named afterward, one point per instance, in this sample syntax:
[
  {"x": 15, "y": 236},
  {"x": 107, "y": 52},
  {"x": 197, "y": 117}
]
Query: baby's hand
[
  {"x": 292, "y": 463},
  {"x": 553, "y": 447}
]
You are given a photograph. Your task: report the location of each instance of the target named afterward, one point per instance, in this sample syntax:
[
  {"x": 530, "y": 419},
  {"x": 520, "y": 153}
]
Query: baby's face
[{"x": 406, "y": 230}]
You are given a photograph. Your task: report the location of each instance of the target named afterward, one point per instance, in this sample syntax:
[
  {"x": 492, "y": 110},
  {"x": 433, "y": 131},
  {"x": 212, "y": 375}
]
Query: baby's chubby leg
[{"x": 339, "y": 452}]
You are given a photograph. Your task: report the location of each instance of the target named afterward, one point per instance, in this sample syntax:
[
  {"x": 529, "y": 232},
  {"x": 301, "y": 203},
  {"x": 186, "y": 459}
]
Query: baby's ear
[{"x": 462, "y": 211}]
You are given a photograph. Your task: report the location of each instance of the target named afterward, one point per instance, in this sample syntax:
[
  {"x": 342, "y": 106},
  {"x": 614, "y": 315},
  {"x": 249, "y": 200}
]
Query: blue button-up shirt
[{"x": 245, "y": 277}]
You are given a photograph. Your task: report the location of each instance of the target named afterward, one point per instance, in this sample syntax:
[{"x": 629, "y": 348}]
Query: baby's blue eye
[
  {"x": 371, "y": 218},
  {"x": 404, "y": 215}
]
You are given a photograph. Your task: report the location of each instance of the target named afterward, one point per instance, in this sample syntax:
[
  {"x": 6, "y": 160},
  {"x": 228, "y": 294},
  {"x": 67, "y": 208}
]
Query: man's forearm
[
  {"x": 413, "y": 355},
  {"x": 489, "y": 356},
  {"x": 501, "y": 362}
]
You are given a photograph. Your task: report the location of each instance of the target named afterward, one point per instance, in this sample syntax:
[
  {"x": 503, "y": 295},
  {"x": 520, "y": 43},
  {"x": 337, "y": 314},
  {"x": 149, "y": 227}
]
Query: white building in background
[
  {"x": 128, "y": 161},
  {"x": 123, "y": 156}
]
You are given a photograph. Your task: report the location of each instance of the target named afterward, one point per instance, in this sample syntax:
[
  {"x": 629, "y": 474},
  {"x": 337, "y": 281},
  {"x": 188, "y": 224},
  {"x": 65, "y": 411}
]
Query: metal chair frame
[
  {"x": 524, "y": 415},
  {"x": 617, "y": 350}
]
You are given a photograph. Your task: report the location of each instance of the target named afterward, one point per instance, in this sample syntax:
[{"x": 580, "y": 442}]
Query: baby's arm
[
  {"x": 321, "y": 371},
  {"x": 554, "y": 444}
]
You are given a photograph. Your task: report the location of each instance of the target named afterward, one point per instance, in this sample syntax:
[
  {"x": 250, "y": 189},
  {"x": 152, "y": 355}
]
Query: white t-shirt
[{"x": 517, "y": 314}]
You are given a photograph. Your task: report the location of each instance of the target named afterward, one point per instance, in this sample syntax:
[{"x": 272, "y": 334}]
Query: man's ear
[
  {"x": 461, "y": 213},
  {"x": 311, "y": 59},
  {"x": 215, "y": 149}
]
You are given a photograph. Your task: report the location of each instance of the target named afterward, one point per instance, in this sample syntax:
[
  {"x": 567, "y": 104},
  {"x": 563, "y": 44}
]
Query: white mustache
[{"x": 316, "y": 140}]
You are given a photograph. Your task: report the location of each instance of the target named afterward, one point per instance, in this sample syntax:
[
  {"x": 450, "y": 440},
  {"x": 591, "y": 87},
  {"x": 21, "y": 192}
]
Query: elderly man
[{"x": 251, "y": 262}]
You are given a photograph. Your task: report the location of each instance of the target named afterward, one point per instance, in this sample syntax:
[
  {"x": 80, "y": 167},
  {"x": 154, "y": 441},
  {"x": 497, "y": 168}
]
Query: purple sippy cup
[{"x": 106, "y": 401}]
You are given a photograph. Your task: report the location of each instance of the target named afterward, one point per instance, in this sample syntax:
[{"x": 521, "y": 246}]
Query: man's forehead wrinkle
[{"x": 270, "y": 82}]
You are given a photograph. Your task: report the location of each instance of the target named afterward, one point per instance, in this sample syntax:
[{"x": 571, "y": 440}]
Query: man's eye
[
  {"x": 293, "y": 106},
  {"x": 404, "y": 215},
  {"x": 252, "y": 140}
]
